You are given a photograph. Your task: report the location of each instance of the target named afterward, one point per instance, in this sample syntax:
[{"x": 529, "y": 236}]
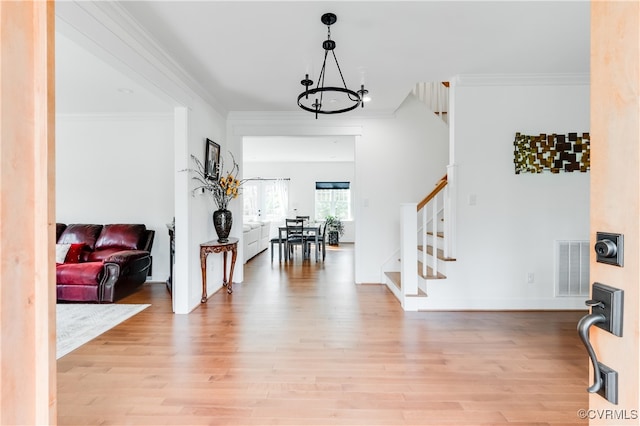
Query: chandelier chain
[{"x": 321, "y": 77}]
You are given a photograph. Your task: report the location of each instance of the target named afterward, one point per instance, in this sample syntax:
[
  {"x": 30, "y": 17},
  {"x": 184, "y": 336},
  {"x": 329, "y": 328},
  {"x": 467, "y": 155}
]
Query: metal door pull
[{"x": 584, "y": 325}]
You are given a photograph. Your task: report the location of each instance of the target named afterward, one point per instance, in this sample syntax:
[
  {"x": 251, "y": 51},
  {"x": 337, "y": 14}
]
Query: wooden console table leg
[
  {"x": 234, "y": 254},
  {"x": 203, "y": 266},
  {"x": 224, "y": 268}
]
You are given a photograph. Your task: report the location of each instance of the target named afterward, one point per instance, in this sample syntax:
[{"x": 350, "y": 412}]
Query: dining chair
[
  {"x": 281, "y": 241},
  {"x": 320, "y": 242},
  {"x": 304, "y": 218},
  {"x": 295, "y": 237}
]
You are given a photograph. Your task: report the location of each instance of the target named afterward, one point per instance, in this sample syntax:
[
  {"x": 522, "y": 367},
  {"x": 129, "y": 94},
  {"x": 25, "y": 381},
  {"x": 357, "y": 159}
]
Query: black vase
[{"x": 222, "y": 221}]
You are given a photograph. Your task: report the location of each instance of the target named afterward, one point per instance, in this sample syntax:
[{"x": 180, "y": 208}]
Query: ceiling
[{"x": 251, "y": 56}]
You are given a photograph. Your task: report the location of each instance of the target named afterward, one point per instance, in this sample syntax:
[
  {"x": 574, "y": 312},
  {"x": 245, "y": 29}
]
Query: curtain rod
[{"x": 259, "y": 178}]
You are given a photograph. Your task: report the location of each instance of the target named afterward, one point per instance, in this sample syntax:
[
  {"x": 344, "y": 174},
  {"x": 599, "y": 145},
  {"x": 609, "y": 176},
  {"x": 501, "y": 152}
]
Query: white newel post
[
  {"x": 450, "y": 210},
  {"x": 409, "y": 248}
]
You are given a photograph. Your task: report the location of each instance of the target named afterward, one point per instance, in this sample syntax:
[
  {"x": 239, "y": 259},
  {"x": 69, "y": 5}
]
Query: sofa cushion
[
  {"x": 86, "y": 273},
  {"x": 123, "y": 236},
  {"x": 80, "y": 233},
  {"x": 102, "y": 254},
  {"x": 61, "y": 252}
]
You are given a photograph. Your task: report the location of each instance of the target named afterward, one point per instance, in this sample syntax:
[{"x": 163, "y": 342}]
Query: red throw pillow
[{"x": 74, "y": 253}]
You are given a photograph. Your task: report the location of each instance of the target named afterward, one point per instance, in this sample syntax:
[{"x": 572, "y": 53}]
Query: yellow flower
[{"x": 223, "y": 181}]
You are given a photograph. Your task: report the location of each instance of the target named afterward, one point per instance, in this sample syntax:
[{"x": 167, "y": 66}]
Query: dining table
[{"x": 310, "y": 232}]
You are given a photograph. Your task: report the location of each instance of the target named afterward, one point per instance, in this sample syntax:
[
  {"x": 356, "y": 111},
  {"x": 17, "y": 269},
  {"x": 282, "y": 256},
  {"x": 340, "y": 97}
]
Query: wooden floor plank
[{"x": 302, "y": 344}]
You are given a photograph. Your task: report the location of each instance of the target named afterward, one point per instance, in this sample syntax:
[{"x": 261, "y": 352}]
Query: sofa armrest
[
  {"x": 121, "y": 267},
  {"x": 122, "y": 258},
  {"x": 148, "y": 241}
]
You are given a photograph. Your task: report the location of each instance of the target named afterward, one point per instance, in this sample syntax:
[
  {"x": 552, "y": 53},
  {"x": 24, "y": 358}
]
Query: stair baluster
[{"x": 434, "y": 240}]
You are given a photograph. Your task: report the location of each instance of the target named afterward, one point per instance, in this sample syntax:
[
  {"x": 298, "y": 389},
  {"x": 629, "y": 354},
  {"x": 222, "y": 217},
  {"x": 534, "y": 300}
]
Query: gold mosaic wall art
[{"x": 567, "y": 153}]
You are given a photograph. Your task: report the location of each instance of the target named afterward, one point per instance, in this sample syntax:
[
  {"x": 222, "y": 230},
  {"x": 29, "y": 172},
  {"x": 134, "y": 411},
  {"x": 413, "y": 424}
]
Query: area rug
[{"x": 76, "y": 324}]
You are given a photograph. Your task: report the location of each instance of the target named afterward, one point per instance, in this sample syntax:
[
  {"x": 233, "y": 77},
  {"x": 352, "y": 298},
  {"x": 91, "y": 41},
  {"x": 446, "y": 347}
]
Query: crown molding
[
  {"x": 578, "y": 79},
  {"x": 288, "y": 116},
  {"x": 120, "y": 116}
]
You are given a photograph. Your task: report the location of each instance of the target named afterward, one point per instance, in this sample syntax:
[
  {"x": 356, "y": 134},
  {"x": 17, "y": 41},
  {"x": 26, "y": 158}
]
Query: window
[
  {"x": 333, "y": 198},
  {"x": 266, "y": 199}
]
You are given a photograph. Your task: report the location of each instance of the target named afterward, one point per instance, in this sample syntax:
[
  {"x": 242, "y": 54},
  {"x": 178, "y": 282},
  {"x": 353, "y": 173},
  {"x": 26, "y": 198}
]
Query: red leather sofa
[{"x": 102, "y": 262}]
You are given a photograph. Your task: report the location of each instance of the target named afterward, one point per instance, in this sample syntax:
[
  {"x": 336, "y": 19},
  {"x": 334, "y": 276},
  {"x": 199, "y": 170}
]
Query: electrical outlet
[{"x": 530, "y": 278}]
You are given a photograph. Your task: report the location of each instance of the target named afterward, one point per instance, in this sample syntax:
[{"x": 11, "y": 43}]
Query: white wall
[
  {"x": 194, "y": 212},
  {"x": 117, "y": 169},
  {"x": 397, "y": 159},
  {"x": 302, "y": 185},
  {"x": 512, "y": 228}
]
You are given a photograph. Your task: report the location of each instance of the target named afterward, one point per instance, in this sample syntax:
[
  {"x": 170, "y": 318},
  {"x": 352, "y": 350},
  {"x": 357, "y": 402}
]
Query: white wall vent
[{"x": 572, "y": 268}]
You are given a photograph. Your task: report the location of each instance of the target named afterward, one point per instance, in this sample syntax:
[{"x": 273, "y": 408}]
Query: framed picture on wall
[{"x": 211, "y": 159}]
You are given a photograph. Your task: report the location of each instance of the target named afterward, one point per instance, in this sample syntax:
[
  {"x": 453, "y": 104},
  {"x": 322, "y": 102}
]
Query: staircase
[
  {"x": 427, "y": 228},
  {"x": 425, "y": 247}
]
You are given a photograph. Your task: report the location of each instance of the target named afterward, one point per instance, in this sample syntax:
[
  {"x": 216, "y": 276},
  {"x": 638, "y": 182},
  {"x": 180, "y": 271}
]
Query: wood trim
[
  {"x": 439, "y": 187},
  {"x": 615, "y": 190},
  {"x": 27, "y": 213}
]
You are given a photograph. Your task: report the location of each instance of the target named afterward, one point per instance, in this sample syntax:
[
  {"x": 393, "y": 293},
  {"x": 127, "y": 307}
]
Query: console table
[{"x": 215, "y": 247}]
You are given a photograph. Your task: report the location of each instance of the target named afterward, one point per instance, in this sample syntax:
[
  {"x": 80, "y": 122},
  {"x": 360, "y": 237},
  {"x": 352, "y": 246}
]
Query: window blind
[{"x": 332, "y": 185}]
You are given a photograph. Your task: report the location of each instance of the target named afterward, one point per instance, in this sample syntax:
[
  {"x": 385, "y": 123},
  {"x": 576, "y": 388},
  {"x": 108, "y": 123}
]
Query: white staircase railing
[
  {"x": 431, "y": 231},
  {"x": 425, "y": 224},
  {"x": 432, "y": 211},
  {"x": 427, "y": 235}
]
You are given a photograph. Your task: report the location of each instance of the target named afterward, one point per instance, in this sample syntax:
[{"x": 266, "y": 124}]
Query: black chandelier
[{"x": 329, "y": 100}]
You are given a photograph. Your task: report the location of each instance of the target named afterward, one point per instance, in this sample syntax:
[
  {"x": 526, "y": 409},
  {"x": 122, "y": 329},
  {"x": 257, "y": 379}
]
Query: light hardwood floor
[{"x": 302, "y": 344}]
